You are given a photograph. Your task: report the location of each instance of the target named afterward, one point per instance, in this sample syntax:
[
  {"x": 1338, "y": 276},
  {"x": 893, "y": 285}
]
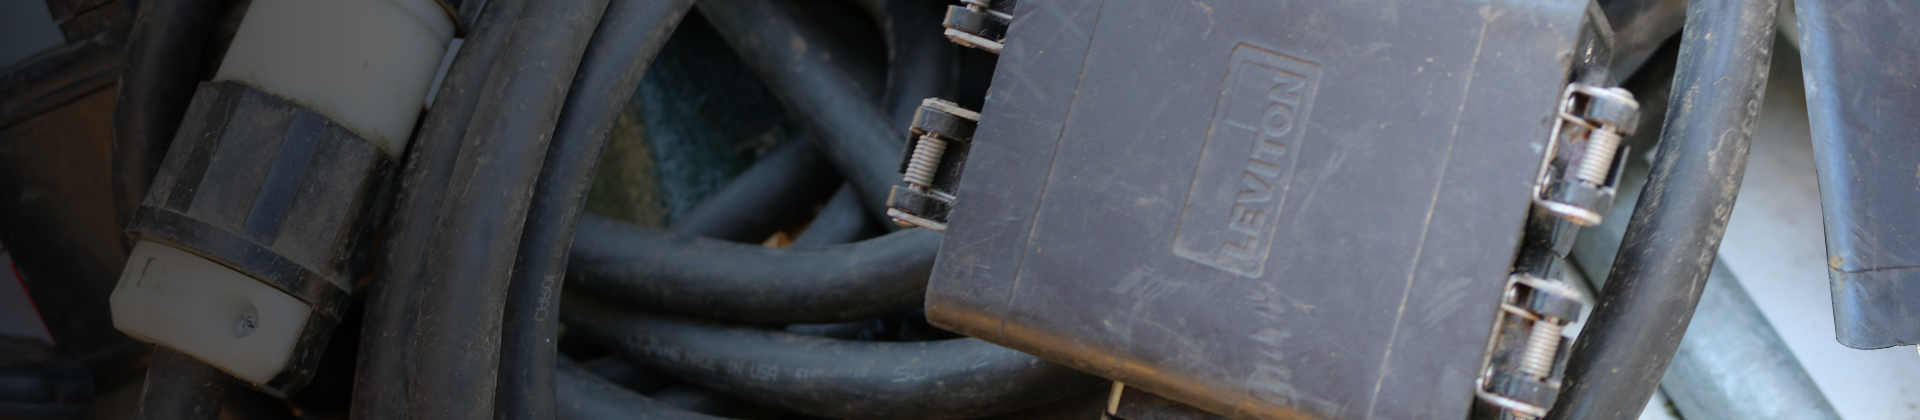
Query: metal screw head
[{"x": 249, "y": 321}]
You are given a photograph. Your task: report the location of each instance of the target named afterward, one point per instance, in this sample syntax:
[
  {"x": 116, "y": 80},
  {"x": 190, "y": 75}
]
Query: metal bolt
[
  {"x": 1542, "y": 345},
  {"x": 1609, "y": 112},
  {"x": 1602, "y": 144},
  {"x": 925, "y": 161}
]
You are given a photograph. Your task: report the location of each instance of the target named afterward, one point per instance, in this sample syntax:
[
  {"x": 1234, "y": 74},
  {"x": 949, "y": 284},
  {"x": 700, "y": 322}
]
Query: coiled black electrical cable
[
  {"x": 1639, "y": 26},
  {"x": 1673, "y": 239},
  {"x": 920, "y": 58},
  {"x": 584, "y": 396},
  {"x": 909, "y": 326},
  {"x": 850, "y": 282},
  {"x": 381, "y": 377},
  {"x": 628, "y": 36},
  {"x": 854, "y": 131},
  {"x": 180, "y": 387},
  {"x": 625, "y": 373},
  {"x": 779, "y": 190},
  {"x": 691, "y": 276},
  {"x": 751, "y": 283},
  {"x": 163, "y": 61},
  {"x": 952, "y": 379},
  {"x": 920, "y": 65},
  {"x": 840, "y": 221},
  {"x": 777, "y": 184},
  {"x": 457, "y": 338}
]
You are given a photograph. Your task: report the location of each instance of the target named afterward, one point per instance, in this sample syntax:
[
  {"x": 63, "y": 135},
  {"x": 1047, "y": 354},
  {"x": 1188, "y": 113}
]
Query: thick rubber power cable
[
  {"x": 382, "y": 373},
  {"x": 630, "y": 33},
  {"x": 953, "y": 379},
  {"x": 1639, "y": 26},
  {"x": 716, "y": 279},
  {"x": 163, "y": 62},
  {"x": 840, "y": 221},
  {"x": 583, "y": 396},
  {"x": 1674, "y": 236},
  {"x": 1732, "y": 364},
  {"x": 828, "y": 102},
  {"x": 456, "y": 355},
  {"x": 779, "y": 190},
  {"x": 750, "y": 283},
  {"x": 180, "y": 387},
  {"x": 920, "y": 65},
  {"x": 921, "y": 62}
]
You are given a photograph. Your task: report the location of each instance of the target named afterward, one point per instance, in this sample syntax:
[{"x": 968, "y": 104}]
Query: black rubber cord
[
  {"x": 629, "y": 35},
  {"x": 920, "y": 59},
  {"x": 1639, "y": 26},
  {"x": 381, "y": 377},
  {"x": 909, "y": 326},
  {"x": 626, "y": 373},
  {"x": 694, "y": 276},
  {"x": 854, "y": 132},
  {"x": 456, "y": 355},
  {"x": 752, "y": 283},
  {"x": 162, "y": 64},
  {"x": 180, "y": 387},
  {"x": 953, "y": 379},
  {"x": 920, "y": 65},
  {"x": 1674, "y": 236},
  {"x": 584, "y": 396},
  {"x": 779, "y": 190},
  {"x": 841, "y": 221}
]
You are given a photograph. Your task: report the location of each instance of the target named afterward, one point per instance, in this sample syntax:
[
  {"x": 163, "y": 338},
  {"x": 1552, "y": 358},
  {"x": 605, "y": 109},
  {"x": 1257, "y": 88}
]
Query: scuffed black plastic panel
[
  {"x": 1263, "y": 209},
  {"x": 1860, "y": 63}
]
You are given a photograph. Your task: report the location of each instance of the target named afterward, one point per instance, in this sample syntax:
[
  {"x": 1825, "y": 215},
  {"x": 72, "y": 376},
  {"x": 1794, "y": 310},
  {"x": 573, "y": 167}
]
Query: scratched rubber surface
[{"x": 1290, "y": 210}]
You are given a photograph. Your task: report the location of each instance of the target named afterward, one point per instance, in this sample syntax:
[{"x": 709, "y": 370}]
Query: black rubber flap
[{"x": 1861, "y": 99}]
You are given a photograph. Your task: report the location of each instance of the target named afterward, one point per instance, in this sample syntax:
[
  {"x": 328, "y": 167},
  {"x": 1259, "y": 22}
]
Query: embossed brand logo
[{"x": 1245, "y": 163}]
